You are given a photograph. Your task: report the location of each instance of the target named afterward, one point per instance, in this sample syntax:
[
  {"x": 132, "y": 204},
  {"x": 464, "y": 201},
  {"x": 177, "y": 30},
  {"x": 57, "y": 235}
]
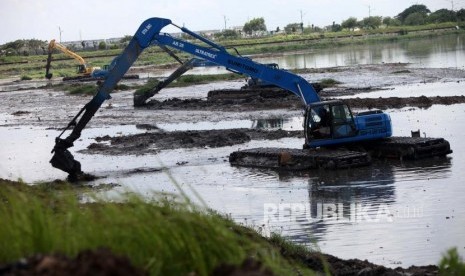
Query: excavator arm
[{"x": 147, "y": 34}]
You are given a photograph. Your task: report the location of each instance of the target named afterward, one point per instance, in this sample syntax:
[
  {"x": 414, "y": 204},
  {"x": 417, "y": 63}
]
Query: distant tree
[
  {"x": 422, "y": 9},
  {"x": 71, "y": 47},
  {"x": 9, "y": 52},
  {"x": 309, "y": 29},
  {"x": 14, "y": 45},
  {"x": 336, "y": 27},
  {"x": 254, "y": 25},
  {"x": 442, "y": 15},
  {"x": 461, "y": 14},
  {"x": 35, "y": 45},
  {"x": 126, "y": 38},
  {"x": 102, "y": 45},
  {"x": 227, "y": 34},
  {"x": 371, "y": 22},
  {"x": 350, "y": 23},
  {"x": 389, "y": 21},
  {"x": 292, "y": 28},
  {"x": 416, "y": 18}
]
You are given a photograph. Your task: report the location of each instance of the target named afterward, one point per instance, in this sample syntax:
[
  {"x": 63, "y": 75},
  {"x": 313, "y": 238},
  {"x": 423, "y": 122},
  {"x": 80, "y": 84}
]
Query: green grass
[
  {"x": 162, "y": 237},
  {"x": 85, "y": 89},
  {"x": 451, "y": 264},
  {"x": 147, "y": 87},
  {"x": 187, "y": 80},
  {"x": 26, "y": 78},
  {"x": 325, "y": 83}
]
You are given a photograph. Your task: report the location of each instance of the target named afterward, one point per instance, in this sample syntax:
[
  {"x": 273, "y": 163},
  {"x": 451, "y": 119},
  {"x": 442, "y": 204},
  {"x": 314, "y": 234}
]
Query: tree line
[
  {"x": 417, "y": 14},
  {"x": 414, "y": 15}
]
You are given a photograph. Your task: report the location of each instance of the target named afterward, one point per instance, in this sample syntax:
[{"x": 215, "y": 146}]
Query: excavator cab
[
  {"x": 81, "y": 69},
  {"x": 328, "y": 121}
]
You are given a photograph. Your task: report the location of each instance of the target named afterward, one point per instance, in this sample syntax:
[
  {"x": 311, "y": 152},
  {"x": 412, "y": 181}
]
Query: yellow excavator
[{"x": 83, "y": 68}]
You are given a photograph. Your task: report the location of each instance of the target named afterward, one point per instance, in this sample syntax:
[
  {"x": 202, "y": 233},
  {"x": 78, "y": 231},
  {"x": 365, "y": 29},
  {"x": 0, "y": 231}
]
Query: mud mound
[
  {"x": 104, "y": 262},
  {"x": 249, "y": 267},
  {"x": 293, "y": 102},
  {"x": 153, "y": 142},
  {"x": 88, "y": 262},
  {"x": 338, "y": 266},
  {"x": 229, "y": 104},
  {"x": 395, "y": 102}
]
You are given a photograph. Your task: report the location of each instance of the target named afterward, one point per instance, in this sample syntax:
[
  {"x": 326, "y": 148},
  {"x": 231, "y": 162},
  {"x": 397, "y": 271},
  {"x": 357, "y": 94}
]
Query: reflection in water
[
  {"x": 268, "y": 124},
  {"x": 347, "y": 197},
  {"x": 290, "y": 123},
  {"x": 436, "y": 52}
]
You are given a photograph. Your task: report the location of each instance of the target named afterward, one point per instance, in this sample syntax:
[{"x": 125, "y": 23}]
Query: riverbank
[{"x": 50, "y": 229}]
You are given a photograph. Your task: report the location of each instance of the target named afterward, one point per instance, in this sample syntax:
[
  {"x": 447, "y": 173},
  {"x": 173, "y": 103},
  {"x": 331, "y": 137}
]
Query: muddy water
[{"x": 391, "y": 213}]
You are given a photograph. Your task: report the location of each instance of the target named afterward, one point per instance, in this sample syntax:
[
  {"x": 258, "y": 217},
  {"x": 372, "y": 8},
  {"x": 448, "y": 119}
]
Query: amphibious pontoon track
[
  {"x": 408, "y": 147},
  {"x": 338, "y": 158},
  {"x": 299, "y": 159}
]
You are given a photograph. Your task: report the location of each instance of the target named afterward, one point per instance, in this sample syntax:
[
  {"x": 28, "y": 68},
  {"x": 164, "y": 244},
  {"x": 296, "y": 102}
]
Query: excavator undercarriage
[{"x": 349, "y": 156}]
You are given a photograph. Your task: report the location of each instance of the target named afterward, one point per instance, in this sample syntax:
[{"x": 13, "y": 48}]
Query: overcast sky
[{"x": 86, "y": 19}]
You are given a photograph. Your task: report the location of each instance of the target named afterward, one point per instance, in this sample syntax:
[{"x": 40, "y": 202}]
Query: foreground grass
[{"x": 162, "y": 237}]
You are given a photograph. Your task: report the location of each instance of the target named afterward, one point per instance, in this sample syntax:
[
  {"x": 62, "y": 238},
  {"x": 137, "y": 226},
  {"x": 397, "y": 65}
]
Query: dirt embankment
[
  {"x": 104, "y": 262},
  {"x": 152, "y": 142}
]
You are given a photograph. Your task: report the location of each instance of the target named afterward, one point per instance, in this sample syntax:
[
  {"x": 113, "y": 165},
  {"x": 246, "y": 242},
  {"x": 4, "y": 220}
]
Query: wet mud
[
  {"x": 88, "y": 262},
  {"x": 397, "y": 102},
  {"x": 104, "y": 262},
  {"x": 149, "y": 142},
  {"x": 293, "y": 102}
]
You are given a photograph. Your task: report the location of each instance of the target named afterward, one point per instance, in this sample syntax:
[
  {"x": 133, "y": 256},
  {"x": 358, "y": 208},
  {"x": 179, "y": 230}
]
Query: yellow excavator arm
[
  {"x": 53, "y": 44},
  {"x": 83, "y": 67}
]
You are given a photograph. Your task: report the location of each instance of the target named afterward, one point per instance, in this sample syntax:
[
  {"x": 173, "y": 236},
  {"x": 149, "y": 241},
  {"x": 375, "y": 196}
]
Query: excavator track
[
  {"x": 408, "y": 147},
  {"x": 299, "y": 159},
  {"x": 341, "y": 158}
]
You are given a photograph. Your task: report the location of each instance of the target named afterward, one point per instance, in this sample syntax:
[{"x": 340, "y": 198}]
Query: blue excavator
[{"x": 327, "y": 123}]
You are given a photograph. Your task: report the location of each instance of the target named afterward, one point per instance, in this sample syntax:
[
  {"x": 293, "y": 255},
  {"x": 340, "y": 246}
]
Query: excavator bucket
[{"x": 63, "y": 160}]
